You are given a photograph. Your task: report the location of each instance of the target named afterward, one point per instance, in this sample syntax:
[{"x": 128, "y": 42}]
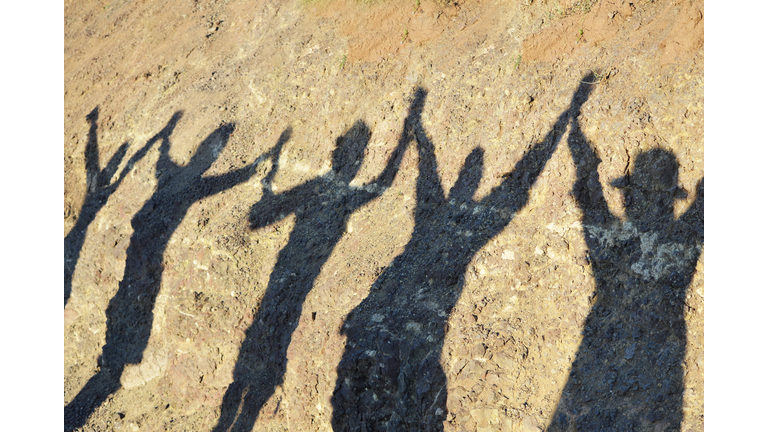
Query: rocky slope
[{"x": 404, "y": 215}]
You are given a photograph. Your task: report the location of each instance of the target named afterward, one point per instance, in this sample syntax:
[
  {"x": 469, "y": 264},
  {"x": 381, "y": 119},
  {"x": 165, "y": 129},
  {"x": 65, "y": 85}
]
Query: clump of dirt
[{"x": 412, "y": 215}]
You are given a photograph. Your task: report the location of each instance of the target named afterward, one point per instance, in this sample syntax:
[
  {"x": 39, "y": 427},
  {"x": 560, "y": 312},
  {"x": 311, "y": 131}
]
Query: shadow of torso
[
  {"x": 390, "y": 376},
  {"x": 627, "y": 373},
  {"x": 391, "y": 373}
]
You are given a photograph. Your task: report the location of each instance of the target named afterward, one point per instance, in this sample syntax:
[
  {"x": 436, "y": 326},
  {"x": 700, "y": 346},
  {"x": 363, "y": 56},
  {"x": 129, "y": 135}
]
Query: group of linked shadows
[{"x": 627, "y": 370}]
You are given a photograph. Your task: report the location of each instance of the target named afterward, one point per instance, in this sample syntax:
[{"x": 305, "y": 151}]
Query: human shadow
[
  {"x": 390, "y": 376},
  {"x": 627, "y": 373},
  {"x": 98, "y": 191},
  {"x": 129, "y": 313},
  {"x": 322, "y": 207}
]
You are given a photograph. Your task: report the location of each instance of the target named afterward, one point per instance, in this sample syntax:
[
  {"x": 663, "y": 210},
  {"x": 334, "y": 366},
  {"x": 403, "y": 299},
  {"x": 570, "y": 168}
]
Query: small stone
[
  {"x": 485, "y": 417},
  {"x": 453, "y": 402},
  {"x": 506, "y": 424},
  {"x": 506, "y": 362},
  {"x": 530, "y": 424},
  {"x": 478, "y": 350},
  {"x": 70, "y": 315},
  {"x": 630, "y": 352},
  {"x": 655, "y": 416}
]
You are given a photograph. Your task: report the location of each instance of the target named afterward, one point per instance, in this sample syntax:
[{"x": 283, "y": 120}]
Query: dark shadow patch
[
  {"x": 98, "y": 191},
  {"x": 322, "y": 207},
  {"x": 627, "y": 373},
  {"x": 390, "y": 377},
  {"x": 129, "y": 314}
]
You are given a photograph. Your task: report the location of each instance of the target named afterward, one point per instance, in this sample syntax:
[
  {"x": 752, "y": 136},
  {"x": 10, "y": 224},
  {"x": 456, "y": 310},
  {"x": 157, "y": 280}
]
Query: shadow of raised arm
[
  {"x": 102, "y": 179},
  {"x": 216, "y": 184},
  {"x": 162, "y": 135},
  {"x": 274, "y": 154},
  {"x": 513, "y": 192},
  {"x": 587, "y": 190},
  {"x": 428, "y": 185},
  {"x": 271, "y": 208},
  {"x": 165, "y": 165},
  {"x": 97, "y": 180},
  {"x": 387, "y": 176},
  {"x": 693, "y": 217},
  {"x": 92, "y": 152}
]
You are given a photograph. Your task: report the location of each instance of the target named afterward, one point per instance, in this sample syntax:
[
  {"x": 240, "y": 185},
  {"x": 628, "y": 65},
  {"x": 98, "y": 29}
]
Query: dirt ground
[{"x": 387, "y": 215}]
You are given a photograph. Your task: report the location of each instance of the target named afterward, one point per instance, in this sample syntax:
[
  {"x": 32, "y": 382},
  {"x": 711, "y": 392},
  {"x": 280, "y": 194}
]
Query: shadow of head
[
  {"x": 349, "y": 151},
  {"x": 651, "y": 189},
  {"x": 469, "y": 177},
  {"x": 93, "y": 116},
  {"x": 417, "y": 102},
  {"x": 586, "y": 86},
  {"x": 208, "y": 150}
]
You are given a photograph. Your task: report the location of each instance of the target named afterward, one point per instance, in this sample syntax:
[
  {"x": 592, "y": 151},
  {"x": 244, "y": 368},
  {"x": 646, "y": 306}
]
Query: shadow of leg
[
  {"x": 95, "y": 392},
  {"x": 243, "y": 401}
]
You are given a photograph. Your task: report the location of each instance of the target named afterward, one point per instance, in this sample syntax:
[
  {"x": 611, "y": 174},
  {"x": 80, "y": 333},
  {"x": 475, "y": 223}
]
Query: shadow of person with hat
[{"x": 627, "y": 373}]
